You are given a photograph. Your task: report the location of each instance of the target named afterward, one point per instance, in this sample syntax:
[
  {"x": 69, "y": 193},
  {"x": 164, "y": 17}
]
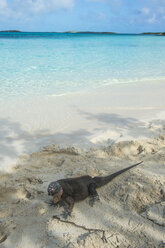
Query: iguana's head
[{"x": 55, "y": 190}]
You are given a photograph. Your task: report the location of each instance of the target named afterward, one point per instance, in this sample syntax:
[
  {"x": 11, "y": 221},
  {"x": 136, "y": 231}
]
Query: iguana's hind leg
[{"x": 93, "y": 194}]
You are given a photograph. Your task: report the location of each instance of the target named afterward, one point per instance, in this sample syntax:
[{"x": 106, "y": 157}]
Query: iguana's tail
[{"x": 100, "y": 181}]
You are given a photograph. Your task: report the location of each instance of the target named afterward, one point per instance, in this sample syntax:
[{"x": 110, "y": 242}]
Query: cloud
[
  {"x": 152, "y": 19},
  {"x": 3, "y": 4},
  {"x": 48, "y": 5},
  {"x": 145, "y": 11},
  {"x": 161, "y": 10},
  {"x": 101, "y": 16},
  {"x": 4, "y": 9},
  {"x": 17, "y": 8},
  {"x": 114, "y": 2}
]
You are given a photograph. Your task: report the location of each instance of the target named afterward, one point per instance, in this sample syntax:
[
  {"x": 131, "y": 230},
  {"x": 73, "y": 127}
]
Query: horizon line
[{"x": 75, "y": 31}]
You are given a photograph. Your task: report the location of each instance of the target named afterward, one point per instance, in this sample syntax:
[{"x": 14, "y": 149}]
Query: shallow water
[{"x": 52, "y": 63}]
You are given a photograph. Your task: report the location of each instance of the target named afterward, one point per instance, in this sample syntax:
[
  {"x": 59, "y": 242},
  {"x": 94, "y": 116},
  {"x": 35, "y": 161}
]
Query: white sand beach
[
  {"x": 96, "y": 133},
  {"x": 86, "y": 119}
]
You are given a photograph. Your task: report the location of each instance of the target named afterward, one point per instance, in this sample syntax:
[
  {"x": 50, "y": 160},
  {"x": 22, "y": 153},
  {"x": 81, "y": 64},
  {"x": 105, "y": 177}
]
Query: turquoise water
[{"x": 51, "y": 63}]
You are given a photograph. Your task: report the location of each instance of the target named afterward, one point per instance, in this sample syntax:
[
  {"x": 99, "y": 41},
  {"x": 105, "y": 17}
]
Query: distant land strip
[
  {"x": 10, "y": 31},
  {"x": 155, "y": 33},
  {"x": 67, "y": 32},
  {"x": 83, "y": 32}
]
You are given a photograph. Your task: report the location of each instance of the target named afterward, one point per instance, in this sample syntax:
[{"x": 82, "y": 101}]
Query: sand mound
[{"x": 131, "y": 208}]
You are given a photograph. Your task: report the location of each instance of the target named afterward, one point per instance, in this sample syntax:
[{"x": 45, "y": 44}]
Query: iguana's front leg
[
  {"x": 70, "y": 202},
  {"x": 93, "y": 194},
  {"x": 51, "y": 203}
]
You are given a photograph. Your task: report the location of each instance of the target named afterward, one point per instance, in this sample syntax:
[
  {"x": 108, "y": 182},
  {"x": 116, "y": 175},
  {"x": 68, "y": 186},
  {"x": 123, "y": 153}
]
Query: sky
[{"x": 122, "y": 16}]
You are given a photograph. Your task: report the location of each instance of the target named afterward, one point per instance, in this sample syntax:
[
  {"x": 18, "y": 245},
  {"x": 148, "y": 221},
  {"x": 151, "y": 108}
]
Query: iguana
[{"x": 79, "y": 188}]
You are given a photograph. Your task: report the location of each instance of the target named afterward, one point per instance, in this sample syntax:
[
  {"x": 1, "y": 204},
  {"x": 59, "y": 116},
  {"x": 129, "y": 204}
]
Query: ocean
[{"x": 36, "y": 64}]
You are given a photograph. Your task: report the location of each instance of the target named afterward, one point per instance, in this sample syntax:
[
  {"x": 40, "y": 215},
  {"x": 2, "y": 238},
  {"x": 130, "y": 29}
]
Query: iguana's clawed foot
[
  {"x": 93, "y": 199},
  {"x": 51, "y": 203},
  {"x": 66, "y": 214}
]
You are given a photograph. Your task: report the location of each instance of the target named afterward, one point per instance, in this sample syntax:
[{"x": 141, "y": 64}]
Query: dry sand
[{"x": 131, "y": 210}]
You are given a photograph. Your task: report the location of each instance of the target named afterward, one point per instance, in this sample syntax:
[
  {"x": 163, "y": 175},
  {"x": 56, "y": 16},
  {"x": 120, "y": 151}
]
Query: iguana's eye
[{"x": 51, "y": 191}]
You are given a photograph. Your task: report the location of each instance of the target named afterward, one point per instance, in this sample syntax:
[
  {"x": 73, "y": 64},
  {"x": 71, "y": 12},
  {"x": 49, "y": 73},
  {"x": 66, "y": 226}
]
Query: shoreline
[{"x": 91, "y": 89}]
